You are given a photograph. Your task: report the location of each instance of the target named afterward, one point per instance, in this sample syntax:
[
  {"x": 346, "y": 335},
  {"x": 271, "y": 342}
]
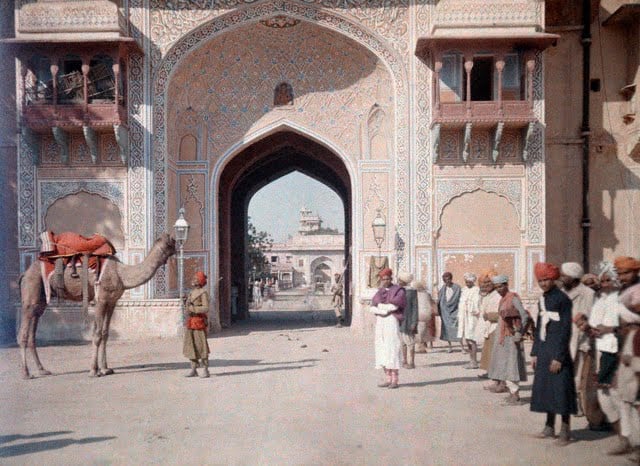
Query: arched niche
[
  {"x": 188, "y": 148},
  {"x": 86, "y": 214},
  {"x": 479, "y": 218}
]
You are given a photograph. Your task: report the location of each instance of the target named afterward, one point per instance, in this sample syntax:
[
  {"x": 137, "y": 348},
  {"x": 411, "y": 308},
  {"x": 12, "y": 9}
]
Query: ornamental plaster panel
[
  {"x": 77, "y": 16},
  {"x": 535, "y": 171},
  {"x": 533, "y": 255},
  {"x": 448, "y": 189},
  {"x": 424, "y": 268},
  {"x": 375, "y": 196},
  {"x": 26, "y": 197},
  {"x": 423, "y": 156},
  {"x": 308, "y": 14},
  {"x": 137, "y": 172},
  {"x": 502, "y": 260},
  {"x": 171, "y": 20},
  {"x": 491, "y": 13}
]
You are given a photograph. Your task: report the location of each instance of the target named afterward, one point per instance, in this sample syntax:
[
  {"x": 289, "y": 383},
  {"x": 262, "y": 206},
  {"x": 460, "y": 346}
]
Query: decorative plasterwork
[
  {"x": 137, "y": 172},
  {"x": 468, "y": 254},
  {"x": 465, "y": 13},
  {"x": 280, "y": 22},
  {"x": 52, "y": 190},
  {"x": 171, "y": 20},
  {"x": 26, "y": 196},
  {"x": 535, "y": 172},
  {"x": 64, "y": 16},
  {"x": 254, "y": 13},
  {"x": 447, "y": 190},
  {"x": 424, "y": 150}
]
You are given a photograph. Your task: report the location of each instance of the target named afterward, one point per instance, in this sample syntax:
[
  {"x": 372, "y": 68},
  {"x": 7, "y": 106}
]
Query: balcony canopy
[{"x": 455, "y": 40}]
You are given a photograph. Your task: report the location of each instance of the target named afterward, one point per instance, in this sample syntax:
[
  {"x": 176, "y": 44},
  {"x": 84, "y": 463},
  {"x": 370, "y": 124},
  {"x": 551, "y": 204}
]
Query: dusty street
[{"x": 282, "y": 392}]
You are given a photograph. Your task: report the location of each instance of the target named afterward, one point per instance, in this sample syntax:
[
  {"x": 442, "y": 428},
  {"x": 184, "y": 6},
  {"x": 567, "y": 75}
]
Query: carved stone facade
[{"x": 202, "y": 89}]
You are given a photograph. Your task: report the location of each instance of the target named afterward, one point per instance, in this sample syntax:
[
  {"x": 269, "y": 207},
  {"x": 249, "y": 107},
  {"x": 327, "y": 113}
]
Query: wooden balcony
[
  {"x": 513, "y": 113},
  {"x": 99, "y": 116}
]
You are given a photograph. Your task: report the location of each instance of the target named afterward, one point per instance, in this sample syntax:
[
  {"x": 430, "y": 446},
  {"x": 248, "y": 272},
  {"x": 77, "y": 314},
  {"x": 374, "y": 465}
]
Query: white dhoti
[{"x": 388, "y": 343}]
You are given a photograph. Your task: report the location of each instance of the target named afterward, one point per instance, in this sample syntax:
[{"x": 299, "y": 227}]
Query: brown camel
[{"x": 116, "y": 278}]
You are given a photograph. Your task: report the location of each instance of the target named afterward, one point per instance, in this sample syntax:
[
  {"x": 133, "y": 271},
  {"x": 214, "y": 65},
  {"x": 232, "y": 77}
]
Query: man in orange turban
[
  {"x": 554, "y": 389},
  {"x": 195, "y": 346}
]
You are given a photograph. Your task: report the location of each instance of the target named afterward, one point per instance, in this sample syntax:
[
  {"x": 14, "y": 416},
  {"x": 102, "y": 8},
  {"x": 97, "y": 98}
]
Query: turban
[
  {"x": 607, "y": 268},
  {"x": 590, "y": 277},
  {"x": 625, "y": 264},
  {"x": 405, "y": 277},
  {"x": 546, "y": 271},
  {"x": 470, "y": 277},
  {"x": 499, "y": 279},
  {"x": 487, "y": 275},
  {"x": 201, "y": 278},
  {"x": 572, "y": 269},
  {"x": 385, "y": 273}
]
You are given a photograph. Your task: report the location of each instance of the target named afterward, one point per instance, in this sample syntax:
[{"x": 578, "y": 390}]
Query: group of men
[{"x": 586, "y": 347}]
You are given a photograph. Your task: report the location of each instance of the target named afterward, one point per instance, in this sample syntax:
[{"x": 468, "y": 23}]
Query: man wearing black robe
[{"x": 554, "y": 390}]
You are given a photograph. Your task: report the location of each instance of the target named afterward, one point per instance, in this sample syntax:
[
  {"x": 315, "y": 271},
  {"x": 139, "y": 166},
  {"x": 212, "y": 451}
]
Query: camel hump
[{"x": 70, "y": 243}]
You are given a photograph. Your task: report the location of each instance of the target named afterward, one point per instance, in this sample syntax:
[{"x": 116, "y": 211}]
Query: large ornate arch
[{"x": 251, "y": 14}]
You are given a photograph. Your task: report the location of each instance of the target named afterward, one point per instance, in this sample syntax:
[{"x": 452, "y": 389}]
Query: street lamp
[
  {"x": 379, "y": 227},
  {"x": 181, "y": 228}
]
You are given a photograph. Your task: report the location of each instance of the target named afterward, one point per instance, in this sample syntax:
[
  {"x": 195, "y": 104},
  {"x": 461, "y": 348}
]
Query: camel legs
[
  {"x": 32, "y": 345},
  {"x": 102, "y": 321},
  {"x": 27, "y": 339},
  {"x": 104, "y": 368}
]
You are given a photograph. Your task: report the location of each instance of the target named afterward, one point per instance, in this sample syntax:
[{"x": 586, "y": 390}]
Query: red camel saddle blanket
[{"x": 69, "y": 243}]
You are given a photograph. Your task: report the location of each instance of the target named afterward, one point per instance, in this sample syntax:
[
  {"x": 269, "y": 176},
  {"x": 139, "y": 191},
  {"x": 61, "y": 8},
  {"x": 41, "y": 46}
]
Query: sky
[{"x": 276, "y": 207}]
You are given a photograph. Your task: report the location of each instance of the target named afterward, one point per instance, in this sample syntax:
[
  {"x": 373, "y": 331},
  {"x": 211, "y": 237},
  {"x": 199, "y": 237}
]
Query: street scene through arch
[
  {"x": 295, "y": 248},
  {"x": 306, "y": 287}
]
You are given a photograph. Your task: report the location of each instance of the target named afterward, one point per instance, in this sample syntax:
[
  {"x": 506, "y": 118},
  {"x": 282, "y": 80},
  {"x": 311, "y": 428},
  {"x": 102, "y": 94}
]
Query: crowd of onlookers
[{"x": 586, "y": 345}]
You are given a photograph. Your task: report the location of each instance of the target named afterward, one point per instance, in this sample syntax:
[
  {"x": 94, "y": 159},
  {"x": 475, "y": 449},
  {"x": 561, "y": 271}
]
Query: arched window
[{"x": 283, "y": 95}]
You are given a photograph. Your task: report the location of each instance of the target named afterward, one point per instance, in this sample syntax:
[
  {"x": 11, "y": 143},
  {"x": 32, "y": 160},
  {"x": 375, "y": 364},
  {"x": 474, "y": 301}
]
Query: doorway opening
[{"x": 257, "y": 166}]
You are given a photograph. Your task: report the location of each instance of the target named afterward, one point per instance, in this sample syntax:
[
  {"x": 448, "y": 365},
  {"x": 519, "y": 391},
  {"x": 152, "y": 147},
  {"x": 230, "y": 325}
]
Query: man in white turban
[
  {"x": 582, "y": 299},
  {"x": 468, "y": 317}
]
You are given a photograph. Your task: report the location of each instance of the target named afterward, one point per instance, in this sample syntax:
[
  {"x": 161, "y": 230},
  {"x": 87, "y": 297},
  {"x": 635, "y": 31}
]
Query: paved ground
[{"x": 296, "y": 391}]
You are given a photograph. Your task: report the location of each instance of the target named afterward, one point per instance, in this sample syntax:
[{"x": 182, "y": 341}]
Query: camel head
[{"x": 167, "y": 245}]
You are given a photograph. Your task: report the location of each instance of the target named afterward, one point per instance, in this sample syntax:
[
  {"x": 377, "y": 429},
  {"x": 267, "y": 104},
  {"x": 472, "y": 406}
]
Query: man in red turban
[
  {"x": 195, "y": 346},
  {"x": 385, "y": 273},
  {"x": 546, "y": 271}
]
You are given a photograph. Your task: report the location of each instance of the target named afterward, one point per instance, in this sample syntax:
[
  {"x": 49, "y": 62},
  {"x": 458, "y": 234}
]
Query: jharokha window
[{"x": 484, "y": 80}]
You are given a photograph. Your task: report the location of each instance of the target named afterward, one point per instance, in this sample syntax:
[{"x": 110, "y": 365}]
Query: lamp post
[
  {"x": 379, "y": 227},
  {"x": 181, "y": 228}
]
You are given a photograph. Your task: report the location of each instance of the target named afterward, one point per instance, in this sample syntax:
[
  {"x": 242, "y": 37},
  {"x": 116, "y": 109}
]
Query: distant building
[{"x": 309, "y": 258}]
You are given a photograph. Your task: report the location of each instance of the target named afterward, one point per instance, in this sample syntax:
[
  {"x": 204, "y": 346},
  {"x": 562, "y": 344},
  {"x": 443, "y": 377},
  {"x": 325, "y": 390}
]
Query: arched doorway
[{"x": 256, "y": 166}]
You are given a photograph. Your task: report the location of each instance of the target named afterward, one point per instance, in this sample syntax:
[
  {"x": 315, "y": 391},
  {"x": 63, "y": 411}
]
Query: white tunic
[
  {"x": 469, "y": 313},
  {"x": 606, "y": 311},
  {"x": 388, "y": 343}
]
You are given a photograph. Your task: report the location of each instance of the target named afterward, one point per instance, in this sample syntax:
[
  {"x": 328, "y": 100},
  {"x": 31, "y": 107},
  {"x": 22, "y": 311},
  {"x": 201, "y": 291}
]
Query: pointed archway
[{"x": 255, "y": 167}]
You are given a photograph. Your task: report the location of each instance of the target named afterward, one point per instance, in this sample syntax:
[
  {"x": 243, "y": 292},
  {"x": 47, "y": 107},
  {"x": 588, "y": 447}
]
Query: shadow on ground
[
  {"x": 213, "y": 364},
  {"x": 441, "y": 381},
  {"x": 43, "y": 445}
]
